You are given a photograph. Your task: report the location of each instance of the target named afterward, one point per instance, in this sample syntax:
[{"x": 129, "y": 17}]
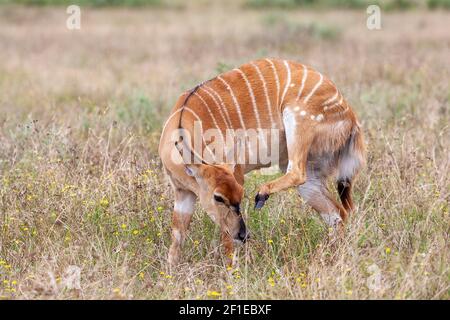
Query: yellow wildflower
[
  {"x": 104, "y": 202},
  {"x": 213, "y": 294}
]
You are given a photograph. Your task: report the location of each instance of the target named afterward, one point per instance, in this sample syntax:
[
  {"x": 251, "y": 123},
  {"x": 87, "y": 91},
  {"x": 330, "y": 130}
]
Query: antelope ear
[{"x": 192, "y": 170}]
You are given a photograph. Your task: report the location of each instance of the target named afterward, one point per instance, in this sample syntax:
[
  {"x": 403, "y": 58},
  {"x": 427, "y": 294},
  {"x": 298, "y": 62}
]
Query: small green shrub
[{"x": 434, "y": 4}]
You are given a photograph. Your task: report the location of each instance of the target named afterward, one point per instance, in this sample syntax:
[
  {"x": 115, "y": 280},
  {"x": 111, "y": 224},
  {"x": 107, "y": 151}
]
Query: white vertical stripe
[
  {"x": 255, "y": 107},
  {"x": 217, "y": 105},
  {"x": 288, "y": 80},
  {"x": 337, "y": 104},
  {"x": 277, "y": 81},
  {"x": 211, "y": 115},
  {"x": 330, "y": 100},
  {"x": 314, "y": 89},
  {"x": 302, "y": 86},
  {"x": 252, "y": 96},
  {"x": 224, "y": 107},
  {"x": 236, "y": 103},
  {"x": 207, "y": 147},
  {"x": 266, "y": 93}
]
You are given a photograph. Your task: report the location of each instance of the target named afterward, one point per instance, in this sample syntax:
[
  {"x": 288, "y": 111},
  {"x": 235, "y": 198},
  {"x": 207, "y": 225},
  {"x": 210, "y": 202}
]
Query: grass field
[{"x": 83, "y": 197}]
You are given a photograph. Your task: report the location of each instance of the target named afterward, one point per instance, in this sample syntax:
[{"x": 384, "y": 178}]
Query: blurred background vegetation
[
  {"x": 81, "y": 183},
  {"x": 288, "y": 4}
]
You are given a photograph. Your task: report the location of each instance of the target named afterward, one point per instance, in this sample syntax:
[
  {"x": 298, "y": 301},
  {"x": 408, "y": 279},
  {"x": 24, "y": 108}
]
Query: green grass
[{"x": 81, "y": 183}]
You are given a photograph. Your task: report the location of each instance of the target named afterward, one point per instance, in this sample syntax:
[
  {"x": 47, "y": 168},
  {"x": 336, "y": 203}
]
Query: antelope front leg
[
  {"x": 299, "y": 140},
  {"x": 181, "y": 218},
  {"x": 293, "y": 178}
]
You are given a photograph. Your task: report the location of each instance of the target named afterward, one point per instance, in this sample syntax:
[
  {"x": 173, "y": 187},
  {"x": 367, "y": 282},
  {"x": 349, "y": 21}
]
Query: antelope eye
[{"x": 218, "y": 198}]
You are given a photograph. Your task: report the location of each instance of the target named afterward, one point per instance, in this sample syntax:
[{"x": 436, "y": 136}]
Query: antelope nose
[{"x": 243, "y": 234}]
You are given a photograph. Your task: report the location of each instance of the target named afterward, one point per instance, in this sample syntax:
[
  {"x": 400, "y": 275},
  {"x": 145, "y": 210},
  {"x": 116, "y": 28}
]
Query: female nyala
[{"x": 316, "y": 134}]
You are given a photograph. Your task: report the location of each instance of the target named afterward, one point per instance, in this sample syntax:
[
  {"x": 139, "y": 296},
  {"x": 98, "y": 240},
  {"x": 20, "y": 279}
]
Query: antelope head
[{"x": 221, "y": 195}]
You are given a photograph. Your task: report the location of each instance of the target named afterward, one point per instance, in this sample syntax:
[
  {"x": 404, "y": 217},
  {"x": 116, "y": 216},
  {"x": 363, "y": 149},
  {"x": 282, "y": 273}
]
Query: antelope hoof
[{"x": 260, "y": 200}]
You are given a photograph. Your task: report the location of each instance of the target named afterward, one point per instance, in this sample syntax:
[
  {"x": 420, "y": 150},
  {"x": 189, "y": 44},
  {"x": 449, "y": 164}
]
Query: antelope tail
[{"x": 352, "y": 155}]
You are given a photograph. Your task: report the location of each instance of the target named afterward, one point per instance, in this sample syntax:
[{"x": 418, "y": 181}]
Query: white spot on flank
[
  {"x": 292, "y": 85},
  {"x": 296, "y": 108},
  {"x": 303, "y": 113},
  {"x": 289, "y": 125},
  {"x": 312, "y": 117},
  {"x": 319, "y": 117}
]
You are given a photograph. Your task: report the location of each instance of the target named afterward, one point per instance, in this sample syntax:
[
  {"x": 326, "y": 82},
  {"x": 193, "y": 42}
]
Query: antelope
[{"x": 319, "y": 137}]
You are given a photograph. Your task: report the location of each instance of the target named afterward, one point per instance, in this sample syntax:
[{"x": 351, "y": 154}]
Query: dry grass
[{"x": 81, "y": 184}]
